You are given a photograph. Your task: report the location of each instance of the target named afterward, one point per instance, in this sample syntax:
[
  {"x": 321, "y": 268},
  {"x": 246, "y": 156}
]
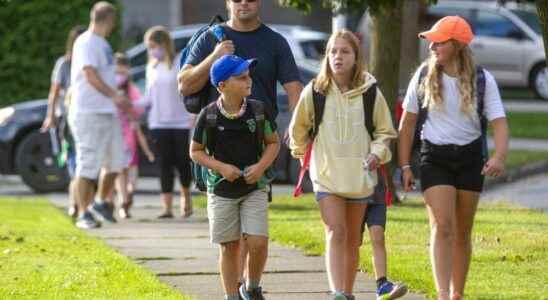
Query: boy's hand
[
  {"x": 253, "y": 173},
  {"x": 230, "y": 172}
]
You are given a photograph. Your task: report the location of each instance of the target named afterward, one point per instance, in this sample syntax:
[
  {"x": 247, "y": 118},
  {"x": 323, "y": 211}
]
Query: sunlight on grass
[{"x": 43, "y": 256}]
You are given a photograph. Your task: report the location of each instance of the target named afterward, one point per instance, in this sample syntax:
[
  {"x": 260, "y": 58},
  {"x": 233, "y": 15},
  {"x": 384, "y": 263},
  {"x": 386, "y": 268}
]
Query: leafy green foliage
[
  {"x": 32, "y": 36},
  {"x": 343, "y": 5}
]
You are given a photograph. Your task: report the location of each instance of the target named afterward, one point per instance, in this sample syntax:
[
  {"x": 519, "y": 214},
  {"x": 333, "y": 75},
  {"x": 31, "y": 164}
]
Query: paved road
[
  {"x": 526, "y": 106},
  {"x": 529, "y": 192}
]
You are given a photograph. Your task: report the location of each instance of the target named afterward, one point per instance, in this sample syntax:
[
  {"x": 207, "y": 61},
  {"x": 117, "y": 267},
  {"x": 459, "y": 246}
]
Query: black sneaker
[
  {"x": 253, "y": 294},
  {"x": 86, "y": 221},
  {"x": 102, "y": 212}
]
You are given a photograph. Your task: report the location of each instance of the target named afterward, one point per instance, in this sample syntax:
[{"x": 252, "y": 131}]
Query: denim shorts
[{"x": 321, "y": 195}]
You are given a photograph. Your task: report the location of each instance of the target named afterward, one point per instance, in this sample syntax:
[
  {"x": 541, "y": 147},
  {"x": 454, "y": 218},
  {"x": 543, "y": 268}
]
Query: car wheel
[
  {"x": 294, "y": 168},
  {"x": 36, "y": 165},
  {"x": 539, "y": 81}
]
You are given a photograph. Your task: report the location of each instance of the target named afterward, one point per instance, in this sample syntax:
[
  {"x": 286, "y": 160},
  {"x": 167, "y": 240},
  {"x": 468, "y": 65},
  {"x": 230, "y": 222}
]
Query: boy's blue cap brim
[{"x": 228, "y": 66}]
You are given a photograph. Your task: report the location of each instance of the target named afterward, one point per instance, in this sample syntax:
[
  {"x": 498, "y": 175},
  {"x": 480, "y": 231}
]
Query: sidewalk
[{"x": 180, "y": 254}]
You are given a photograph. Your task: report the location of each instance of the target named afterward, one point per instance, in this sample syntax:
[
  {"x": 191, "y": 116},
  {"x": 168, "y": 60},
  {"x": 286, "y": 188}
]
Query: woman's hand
[
  {"x": 408, "y": 179},
  {"x": 49, "y": 122},
  {"x": 494, "y": 167},
  {"x": 372, "y": 162}
]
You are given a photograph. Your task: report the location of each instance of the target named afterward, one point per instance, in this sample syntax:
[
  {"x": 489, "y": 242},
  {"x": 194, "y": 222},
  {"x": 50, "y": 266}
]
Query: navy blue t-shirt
[{"x": 275, "y": 60}]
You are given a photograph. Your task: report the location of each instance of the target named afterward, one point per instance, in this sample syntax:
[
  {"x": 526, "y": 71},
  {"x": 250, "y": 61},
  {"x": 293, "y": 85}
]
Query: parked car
[
  {"x": 508, "y": 40},
  {"x": 26, "y": 151},
  {"x": 303, "y": 42}
]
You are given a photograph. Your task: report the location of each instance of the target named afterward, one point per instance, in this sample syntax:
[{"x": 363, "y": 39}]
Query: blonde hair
[
  {"x": 324, "y": 78},
  {"x": 432, "y": 86},
  {"x": 160, "y": 36}
]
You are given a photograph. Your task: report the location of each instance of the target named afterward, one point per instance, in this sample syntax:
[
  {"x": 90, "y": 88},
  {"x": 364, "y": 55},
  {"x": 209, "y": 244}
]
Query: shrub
[{"x": 33, "y": 35}]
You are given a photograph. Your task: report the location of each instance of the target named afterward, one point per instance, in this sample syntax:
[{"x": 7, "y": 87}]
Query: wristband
[{"x": 408, "y": 166}]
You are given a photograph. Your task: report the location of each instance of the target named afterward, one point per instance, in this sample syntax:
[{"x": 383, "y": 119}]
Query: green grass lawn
[
  {"x": 519, "y": 158},
  {"x": 43, "y": 256},
  {"x": 524, "y": 94},
  {"x": 528, "y": 125},
  {"x": 510, "y": 246}
]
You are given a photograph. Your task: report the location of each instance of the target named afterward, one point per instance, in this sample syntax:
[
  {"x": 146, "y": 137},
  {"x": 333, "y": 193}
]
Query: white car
[
  {"x": 508, "y": 40},
  {"x": 304, "y": 43}
]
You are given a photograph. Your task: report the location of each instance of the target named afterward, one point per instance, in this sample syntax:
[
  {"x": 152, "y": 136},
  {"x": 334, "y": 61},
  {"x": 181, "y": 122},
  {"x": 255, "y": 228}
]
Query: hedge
[{"x": 33, "y": 35}]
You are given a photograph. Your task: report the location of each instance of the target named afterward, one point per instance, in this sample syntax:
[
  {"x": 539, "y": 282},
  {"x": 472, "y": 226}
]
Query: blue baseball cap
[{"x": 228, "y": 66}]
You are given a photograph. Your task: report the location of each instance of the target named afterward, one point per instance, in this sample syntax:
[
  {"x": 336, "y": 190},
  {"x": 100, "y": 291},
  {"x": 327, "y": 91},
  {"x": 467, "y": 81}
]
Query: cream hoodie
[{"x": 342, "y": 142}]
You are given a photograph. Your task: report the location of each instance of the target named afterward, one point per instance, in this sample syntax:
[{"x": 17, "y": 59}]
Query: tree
[
  {"x": 33, "y": 34},
  {"x": 542, "y": 9}
]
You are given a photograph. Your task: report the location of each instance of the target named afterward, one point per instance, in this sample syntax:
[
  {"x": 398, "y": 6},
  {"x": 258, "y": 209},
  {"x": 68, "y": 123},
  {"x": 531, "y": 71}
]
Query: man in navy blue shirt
[{"x": 247, "y": 37}]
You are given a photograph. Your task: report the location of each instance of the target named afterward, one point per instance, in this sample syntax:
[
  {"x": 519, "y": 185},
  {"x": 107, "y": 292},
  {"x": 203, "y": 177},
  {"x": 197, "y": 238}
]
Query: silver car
[{"x": 508, "y": 40}]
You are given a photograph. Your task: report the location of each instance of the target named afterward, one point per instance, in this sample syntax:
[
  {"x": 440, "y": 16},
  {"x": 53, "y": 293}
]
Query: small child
[
  {"x": 241, "y": 143},
  {"x": 127, "y": 179}
]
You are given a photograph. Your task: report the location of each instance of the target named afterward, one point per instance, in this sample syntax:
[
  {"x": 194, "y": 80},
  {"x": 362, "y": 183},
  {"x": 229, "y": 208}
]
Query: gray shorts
[
  {"x": 230, "y": 218},
  {"x": 98, "y": 142}
]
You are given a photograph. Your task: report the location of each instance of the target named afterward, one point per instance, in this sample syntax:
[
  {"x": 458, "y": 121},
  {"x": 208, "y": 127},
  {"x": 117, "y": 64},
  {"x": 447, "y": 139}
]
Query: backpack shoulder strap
[
  {"x": 480, "y": 107},
  {"x": 480, "y": 88},
  {"x": 211, "y": 125},
  {"x": 369, "y": 98},
  {"x": 257, "y": 107},
  {"x": 423, "y": 111},
  {"x": 319, "y": 107},
  {"x": 420, "y": 95}
]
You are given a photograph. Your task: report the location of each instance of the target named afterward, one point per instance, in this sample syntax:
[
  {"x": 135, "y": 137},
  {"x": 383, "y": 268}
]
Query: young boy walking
[
  {"x": 235, "y": 139},
  {"x": 375, "y": 219}
]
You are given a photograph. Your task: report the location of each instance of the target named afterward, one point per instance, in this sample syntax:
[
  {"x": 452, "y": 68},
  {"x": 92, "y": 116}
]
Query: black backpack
[
  {"x": 423, "y": 111},
  {"x": 195, "y": 102},
  {"x": 369, "y": 98},
  {"x": 200, "y": 172}
]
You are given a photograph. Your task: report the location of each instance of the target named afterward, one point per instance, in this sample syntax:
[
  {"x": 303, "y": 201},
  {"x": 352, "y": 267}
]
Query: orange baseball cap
[{"x": 450, "y": 27}]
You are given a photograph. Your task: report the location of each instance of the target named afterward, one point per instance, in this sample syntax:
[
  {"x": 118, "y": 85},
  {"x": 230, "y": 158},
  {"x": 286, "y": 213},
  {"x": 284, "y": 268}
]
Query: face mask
[
  {"x": 121, "y": 79},
  {"x": 157, "y": 53}
]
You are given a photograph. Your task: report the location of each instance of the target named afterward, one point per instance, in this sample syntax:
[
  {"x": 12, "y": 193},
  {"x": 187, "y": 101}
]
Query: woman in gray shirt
[{"x": 60, "y": 82}]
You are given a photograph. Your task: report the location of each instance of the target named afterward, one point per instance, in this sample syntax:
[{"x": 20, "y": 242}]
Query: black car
[{"x": 27, "y": 151}]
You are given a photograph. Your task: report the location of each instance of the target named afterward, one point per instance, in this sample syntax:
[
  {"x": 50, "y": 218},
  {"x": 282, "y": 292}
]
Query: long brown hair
[
  {"x": 324, "y": 78},
  {"x": 160, "y": 36},
  {"x": 73, "y": 34},
  {"x": 432, "y": 85}
]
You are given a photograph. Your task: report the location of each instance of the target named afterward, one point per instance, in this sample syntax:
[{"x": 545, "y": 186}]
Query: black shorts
[{"x": 458, "y": 166}]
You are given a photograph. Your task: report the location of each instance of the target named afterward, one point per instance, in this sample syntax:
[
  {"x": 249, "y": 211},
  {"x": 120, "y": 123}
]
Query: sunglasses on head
[{"x": 239, "y": 1}]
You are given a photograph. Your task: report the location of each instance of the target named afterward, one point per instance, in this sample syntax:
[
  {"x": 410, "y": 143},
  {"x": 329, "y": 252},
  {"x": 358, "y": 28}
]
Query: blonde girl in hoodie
[{"x": 340, "y": 151}]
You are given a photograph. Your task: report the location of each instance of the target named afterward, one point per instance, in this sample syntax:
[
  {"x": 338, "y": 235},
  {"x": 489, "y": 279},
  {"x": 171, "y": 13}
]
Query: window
[
  {"x": 437, "y": 12},
  {"x": 313, "y": 49},
  {"x": 530, "y": 18},
  {"x": 495, "y": 25}
]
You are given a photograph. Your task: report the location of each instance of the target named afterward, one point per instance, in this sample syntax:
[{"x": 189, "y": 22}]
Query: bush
[{"x": 32, "y": 36}]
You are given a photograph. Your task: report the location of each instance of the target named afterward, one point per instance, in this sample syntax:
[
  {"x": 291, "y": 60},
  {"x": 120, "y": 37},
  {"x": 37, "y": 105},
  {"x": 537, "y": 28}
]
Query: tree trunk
[
  {"x": 385, "y": 50},
  {"x": 409, "y": 42},
  {"x": 542, "y": 8},
  {"x": 385, "y": 59}
]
